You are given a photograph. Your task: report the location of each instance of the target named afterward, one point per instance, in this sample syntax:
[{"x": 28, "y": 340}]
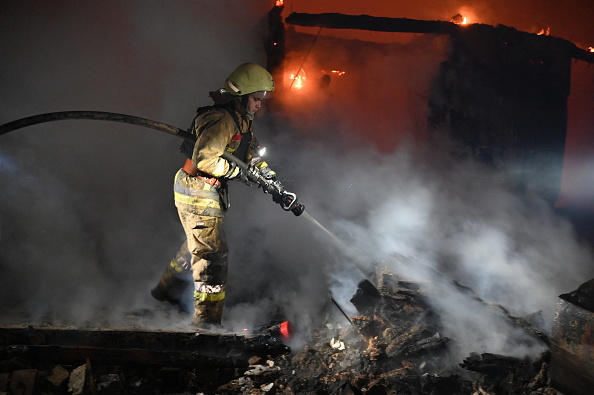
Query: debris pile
[{"x": 394, "y": 346}]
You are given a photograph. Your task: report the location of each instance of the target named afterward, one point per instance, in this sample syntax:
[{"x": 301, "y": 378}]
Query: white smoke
[
  {"x": 87, "y": 222},
  {"x": 453, "y": 225}
]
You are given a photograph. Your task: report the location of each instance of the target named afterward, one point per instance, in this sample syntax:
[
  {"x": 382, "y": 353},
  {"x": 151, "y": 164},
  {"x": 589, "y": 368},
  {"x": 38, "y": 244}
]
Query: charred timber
[
  {"x": 406, "y": 25},
  {"x": 371, "y": 23},
  {"x": 572, "y": 342},
  {"x": 582, "y": 54},
  {"x": 136, "y": 347}
]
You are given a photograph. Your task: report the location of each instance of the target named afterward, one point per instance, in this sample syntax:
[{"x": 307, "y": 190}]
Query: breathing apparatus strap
[
  {"x": 187, "y": 147},
  {"x": 241, "y": 151}
]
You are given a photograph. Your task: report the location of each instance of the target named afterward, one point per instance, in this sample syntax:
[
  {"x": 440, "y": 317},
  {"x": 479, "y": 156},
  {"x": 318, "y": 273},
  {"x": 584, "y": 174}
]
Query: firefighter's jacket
[
  {"x": 221, "y": 130},
  {"x": 217, "y": 130}
]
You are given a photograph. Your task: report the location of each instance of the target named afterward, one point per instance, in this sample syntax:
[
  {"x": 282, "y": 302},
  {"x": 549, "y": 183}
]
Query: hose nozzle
[
  {"x": 289, "y": 203},
  {"x": 298, "y": 209}
]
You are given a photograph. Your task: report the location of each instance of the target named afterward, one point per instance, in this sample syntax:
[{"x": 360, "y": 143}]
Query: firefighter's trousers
[{"x": 199, "y": 208}]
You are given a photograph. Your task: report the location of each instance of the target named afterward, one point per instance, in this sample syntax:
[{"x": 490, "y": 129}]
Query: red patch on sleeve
[{"x": 237, "y": 137}]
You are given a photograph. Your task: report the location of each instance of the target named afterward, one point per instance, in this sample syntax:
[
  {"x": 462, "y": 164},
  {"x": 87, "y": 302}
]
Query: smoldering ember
[{"x": 400, "y": 325}]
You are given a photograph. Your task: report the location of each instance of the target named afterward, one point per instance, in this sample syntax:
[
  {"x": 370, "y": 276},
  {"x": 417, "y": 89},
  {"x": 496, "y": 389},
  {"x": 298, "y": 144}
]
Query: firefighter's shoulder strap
[{"x": 187, "y": 147}]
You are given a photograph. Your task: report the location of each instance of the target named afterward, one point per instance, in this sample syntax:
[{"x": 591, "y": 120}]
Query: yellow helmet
[{"x": 249, "y": 78}]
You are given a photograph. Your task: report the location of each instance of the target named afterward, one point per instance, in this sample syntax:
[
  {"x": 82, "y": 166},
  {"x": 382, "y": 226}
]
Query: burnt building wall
[{"x": 502, "y": 94}]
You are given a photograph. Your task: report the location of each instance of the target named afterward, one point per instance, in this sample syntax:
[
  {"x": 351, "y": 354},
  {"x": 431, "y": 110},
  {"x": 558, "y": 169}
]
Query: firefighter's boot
[
  {"x": 207, "y": 314},
  {"x": 173, "y": 284},
  {"x": 171, "y": 288}
]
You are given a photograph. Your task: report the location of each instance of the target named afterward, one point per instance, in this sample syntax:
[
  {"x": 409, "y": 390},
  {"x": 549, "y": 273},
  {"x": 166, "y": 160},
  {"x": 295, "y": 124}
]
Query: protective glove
[
  {"x": 265, "y": 170},
  {"x": 234, "y": 171},
  {"x": 268, "y": 173}
]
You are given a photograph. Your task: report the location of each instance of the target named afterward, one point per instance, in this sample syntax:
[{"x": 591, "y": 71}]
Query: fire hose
[{"x": 250, "y": 175}]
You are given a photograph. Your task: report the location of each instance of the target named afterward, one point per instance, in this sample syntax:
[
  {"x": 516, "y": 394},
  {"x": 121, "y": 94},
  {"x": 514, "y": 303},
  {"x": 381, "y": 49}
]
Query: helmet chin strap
[
  {"x": 244, "y": 100},
  {"x": 244, "y": 103}
]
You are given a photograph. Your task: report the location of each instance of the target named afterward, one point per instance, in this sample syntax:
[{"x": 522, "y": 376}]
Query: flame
[
  {"x": 297, "y": 82},
  {"x": 459, "y": 20},
  {"x": 303, "y": 81},
  {"x": 591, "y": 49},
  {"x": 544, "y": 32},
  {"x": 279, "y": 3},
  {"x": 334, "y": 72}
]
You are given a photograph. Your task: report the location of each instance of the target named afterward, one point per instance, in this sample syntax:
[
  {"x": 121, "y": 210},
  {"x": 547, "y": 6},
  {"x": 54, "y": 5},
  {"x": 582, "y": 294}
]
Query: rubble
[{"x": 395, "y": 346}]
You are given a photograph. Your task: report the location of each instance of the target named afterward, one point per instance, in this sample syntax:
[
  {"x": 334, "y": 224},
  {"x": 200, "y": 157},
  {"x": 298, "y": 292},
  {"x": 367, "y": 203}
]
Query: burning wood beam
[
  {"x": 371, "y": 23},
  {"x": 406, "y": 25}
]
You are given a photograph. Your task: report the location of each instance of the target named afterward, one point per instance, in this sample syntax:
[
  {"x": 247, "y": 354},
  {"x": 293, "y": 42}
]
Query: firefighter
[{"x": 200, "y": 191}]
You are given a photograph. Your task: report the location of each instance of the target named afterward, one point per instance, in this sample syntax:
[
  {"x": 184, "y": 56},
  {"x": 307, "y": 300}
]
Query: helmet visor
[{"x": 262, "y": 95}]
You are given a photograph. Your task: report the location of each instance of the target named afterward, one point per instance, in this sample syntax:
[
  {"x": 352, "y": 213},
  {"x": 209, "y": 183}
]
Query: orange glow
[
  {"x": 459, "y": 20},
  {"x": 591, "y": 49},
  {"x": 334, "y": 72},
  {"x": 297, "y": 82},
  {"x": 465, "y": 16},
  {"x": 279, "y": 3}
]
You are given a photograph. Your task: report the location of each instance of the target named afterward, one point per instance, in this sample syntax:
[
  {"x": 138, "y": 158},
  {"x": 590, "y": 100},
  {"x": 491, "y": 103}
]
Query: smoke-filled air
[{"x": 87, "y": 220}]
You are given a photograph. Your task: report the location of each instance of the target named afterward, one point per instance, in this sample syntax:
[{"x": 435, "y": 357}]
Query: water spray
[{"x": 354, "y": 256}]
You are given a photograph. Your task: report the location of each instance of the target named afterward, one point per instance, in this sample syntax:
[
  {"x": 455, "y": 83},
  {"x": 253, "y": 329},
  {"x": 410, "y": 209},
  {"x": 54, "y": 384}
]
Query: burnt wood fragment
[
  {"x": 136, "y": 347},
  {"x": 366, "y": 297},
  {"x": 23, "y": 382},
  {"x": 572, "y": 341},
  {"x": 493, "y": 365},
  {"x": 505, "y": 374},
  {"x": 397, "y": 310},
  {"x": 583, "y": 296}
]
